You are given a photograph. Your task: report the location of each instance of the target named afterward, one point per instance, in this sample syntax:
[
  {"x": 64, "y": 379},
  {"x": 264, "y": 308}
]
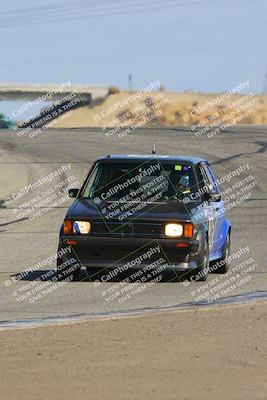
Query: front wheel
[
  {"x": 67, "y": 271},
  {"x": 223, "y": 262},
  {"x": 202, "y": 271}
]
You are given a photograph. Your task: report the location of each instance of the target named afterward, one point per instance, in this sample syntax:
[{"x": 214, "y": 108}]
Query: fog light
[
  {"x": 68, "y": 241},
  {"x": 182, "y": 245}
]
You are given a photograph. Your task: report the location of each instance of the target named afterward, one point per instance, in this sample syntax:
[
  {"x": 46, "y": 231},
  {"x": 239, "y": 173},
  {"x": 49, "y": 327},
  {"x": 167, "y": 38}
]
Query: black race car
[{"x": 145, "y": 211}]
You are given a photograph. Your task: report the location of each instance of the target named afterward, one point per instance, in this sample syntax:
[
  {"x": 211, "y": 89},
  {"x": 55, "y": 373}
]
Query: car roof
[{"x": 144, "y": 157}]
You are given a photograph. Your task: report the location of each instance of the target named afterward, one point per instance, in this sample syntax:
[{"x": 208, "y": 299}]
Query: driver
[{"x": 178, "y": 184}]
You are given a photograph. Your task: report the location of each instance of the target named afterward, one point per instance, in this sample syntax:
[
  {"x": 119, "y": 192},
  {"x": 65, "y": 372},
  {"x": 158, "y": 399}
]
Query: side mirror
[{"x": 73, "y": 193}]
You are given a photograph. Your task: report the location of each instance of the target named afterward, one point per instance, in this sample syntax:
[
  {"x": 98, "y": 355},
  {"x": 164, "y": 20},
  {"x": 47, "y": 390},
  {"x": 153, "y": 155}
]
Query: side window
[
  {"x": 91, "y": 183},
  {"x": 202, "y": 178},
  {"x": 211, "y": 179}
]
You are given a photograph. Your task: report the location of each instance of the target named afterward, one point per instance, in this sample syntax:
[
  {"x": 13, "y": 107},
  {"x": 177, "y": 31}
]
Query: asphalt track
[{"x": 26, "y": 241}]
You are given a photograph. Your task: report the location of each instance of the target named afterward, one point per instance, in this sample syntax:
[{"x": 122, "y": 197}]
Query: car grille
[{"x": 127, "y": 229}]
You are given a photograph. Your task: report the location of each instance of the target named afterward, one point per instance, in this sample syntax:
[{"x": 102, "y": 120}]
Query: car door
[
  {"x": 218, "y": 211},
  {"x": 207, "y": 207}
]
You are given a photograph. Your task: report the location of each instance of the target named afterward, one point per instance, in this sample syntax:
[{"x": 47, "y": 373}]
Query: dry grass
[{"x": 168, "y": 108}]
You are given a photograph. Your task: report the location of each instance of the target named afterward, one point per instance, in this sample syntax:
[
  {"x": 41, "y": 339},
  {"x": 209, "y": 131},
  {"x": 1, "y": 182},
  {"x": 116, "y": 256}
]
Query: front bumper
[{"x": 111, "y": 253}]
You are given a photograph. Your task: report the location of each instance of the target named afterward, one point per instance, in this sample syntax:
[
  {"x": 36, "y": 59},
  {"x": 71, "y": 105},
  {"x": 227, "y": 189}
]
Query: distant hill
[{"x": 168, "y": 108}]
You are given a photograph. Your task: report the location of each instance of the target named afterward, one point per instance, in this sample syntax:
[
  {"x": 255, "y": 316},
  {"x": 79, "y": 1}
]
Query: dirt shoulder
[{"x": 215, "y": 353}]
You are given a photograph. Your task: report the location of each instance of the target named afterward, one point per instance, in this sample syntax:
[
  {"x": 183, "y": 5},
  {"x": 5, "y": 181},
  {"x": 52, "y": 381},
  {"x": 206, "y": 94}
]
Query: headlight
[
  {"x": 176, "y": 230},
  {"x": 173, "y": 230},
  {"x": 82, "y": 227}
]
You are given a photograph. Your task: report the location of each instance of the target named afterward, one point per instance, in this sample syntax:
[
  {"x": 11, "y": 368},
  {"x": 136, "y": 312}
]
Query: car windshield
[{"x": 153, "y": 181}]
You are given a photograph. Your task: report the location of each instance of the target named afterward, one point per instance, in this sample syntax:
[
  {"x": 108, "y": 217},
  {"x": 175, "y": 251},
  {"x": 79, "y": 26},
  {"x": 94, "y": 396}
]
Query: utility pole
[
  {"x": 265, "y": 83},
  {"x": 130, "y": 77}
]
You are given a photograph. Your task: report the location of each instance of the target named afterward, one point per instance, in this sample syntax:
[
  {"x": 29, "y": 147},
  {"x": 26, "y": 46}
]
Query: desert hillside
[{"x": 137, "y": 109}]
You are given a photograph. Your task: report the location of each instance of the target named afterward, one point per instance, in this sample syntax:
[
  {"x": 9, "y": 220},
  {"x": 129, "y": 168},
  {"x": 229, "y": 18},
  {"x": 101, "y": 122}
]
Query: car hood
[{"x": 86, "y": 208}]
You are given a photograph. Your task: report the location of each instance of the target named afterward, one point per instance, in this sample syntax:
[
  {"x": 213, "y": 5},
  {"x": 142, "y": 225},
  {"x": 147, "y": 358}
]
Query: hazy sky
[{"x": 200, "y": 45}]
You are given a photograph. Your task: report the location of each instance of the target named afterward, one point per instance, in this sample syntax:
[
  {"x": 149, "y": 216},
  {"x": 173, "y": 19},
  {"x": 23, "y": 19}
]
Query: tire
[
  {"x": 224, "y": 268},
  {"x": 90, "y": 272},
  {"x": 62, "y": 274},
  {"x": 202, "y": 271},
  {"x": 204, "y": 268},
  {"x": 95, "y": 273}
]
